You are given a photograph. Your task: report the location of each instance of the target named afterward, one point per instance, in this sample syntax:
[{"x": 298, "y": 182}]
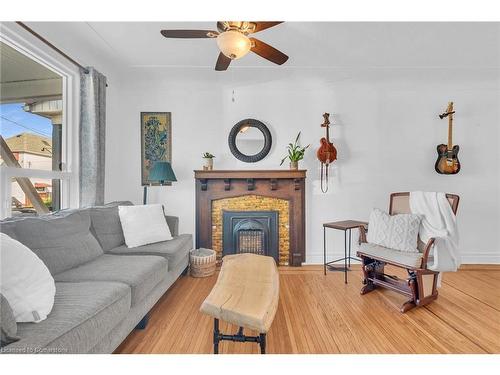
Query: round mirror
[{"x": 250, "y": 140}]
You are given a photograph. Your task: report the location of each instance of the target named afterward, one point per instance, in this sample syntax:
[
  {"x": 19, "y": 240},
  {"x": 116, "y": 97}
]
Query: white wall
[
  {"x": 386, "y": 135},
  {"x": 385, "y": 129},
  {"x": 195, "y": 124}
]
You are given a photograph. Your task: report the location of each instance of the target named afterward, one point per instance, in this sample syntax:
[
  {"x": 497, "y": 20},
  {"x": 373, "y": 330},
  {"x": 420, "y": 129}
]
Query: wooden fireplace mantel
[
  {"x": 246, "y": 173},
  {"x": 283, "y": 184}
]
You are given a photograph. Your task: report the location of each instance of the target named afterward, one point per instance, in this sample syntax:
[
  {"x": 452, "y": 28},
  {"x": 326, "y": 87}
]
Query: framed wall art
[{"x": 156, "y": 142}]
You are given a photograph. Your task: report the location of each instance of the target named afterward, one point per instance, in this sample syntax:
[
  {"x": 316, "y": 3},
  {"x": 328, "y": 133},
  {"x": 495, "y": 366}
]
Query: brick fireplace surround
[{"x": 282, "y": 191}]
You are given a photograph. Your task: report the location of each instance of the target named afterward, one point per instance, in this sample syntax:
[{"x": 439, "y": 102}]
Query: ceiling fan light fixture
[{"x": 233, "y": 44}]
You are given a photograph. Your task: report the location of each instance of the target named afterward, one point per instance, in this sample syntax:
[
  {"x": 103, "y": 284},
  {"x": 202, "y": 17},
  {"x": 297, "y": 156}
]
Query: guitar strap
[{"x": 324, "y": 167}]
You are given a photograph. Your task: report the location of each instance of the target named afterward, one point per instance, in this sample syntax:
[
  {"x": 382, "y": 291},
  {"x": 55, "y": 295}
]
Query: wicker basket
[{"x": 202, "y": 262}]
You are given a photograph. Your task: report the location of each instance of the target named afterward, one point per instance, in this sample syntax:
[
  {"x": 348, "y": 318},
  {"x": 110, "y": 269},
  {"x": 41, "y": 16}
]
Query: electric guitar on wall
[{"x": 447, "y": 161}]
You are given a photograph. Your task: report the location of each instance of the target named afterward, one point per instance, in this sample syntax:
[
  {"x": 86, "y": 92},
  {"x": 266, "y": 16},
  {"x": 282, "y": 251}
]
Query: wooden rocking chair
[{"x": 421, "y": 284}]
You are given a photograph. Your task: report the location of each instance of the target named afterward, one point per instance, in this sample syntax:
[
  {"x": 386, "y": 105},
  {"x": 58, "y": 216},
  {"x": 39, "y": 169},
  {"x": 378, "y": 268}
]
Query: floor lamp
[{"x": 161, "y": 172}]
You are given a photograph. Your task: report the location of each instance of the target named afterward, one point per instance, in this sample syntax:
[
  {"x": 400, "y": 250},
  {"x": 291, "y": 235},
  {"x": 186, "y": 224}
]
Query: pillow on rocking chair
[{"x": 398, "y": 232}]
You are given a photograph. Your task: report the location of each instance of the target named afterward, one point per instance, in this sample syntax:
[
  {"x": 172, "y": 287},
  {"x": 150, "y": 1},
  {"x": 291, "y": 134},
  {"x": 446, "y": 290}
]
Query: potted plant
[
  {"x": 209, "y": 161},
  {"x": 295, "y": 153}
]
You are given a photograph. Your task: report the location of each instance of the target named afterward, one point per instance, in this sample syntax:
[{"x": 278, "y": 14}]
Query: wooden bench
[{"x": 246, "y": 294}]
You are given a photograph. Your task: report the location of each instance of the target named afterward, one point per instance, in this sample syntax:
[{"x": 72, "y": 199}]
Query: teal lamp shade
[{"x": 162, "y": 171}]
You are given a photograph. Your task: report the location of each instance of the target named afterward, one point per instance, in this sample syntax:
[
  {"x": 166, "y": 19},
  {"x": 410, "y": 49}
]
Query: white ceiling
[
  {"x": 320, "y": 52},
  {"x": 309, "y": 44}
]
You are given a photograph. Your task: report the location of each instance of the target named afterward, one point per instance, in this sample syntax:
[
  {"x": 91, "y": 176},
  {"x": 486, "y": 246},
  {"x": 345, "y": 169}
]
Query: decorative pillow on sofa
[
  {"x": 25, "y": 281},
  {"x": 143, "y": 225},
  {"x": 399, "y": 232}
]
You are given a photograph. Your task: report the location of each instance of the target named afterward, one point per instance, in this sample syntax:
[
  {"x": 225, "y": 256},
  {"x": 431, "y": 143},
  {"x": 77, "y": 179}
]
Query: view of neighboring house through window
[{"x": 31, "y": 136}]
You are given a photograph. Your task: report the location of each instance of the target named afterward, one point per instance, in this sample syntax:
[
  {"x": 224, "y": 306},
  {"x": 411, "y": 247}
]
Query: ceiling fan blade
[
  {"x": 262, "y": 25},
  {"x": 269, "y": 53},
  {"x": 222, "y": 62},
  {"x": 189, "y": 33},
  {"x": 220, "y": 26}
]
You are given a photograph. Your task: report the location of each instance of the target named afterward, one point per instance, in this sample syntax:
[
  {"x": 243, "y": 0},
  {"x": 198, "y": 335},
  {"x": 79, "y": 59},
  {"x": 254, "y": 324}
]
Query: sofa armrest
[{"x": 173, "y": 224}]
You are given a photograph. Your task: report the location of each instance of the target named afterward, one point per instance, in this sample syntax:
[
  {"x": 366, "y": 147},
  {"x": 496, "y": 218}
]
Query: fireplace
[
  {"x": 250, "y": 232},
  {"x": 248, "y": 193}
]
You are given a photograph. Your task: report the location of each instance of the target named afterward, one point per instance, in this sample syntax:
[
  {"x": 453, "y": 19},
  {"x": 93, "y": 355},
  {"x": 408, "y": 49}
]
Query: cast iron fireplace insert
[{"x": 250, "y": 232}]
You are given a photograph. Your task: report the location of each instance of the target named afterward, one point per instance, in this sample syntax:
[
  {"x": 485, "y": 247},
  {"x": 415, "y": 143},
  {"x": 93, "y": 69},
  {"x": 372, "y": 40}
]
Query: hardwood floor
[{"x": 320, "y": 314}]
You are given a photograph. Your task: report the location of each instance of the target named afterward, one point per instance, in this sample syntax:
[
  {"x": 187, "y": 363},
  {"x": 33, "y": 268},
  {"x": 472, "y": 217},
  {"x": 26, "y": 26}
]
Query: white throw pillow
[
  {"x": 399, "y": 232},
  {"x": 25, "y": 281},
  {"x": 143, "y": 225}
]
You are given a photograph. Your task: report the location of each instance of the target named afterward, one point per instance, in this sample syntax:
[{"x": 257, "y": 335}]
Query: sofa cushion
[
  {"x": 405, "y": 258},
  {"x": 173, "y": 224},
  {"x": 106, "y": 225},
  {"x": 62, "y": 240},
  {"x": 174, "y": 250},
  {"x": 140, "y": 273},
  {"x": 83, "y": 314},
  {"x": 8, "y": 324}
]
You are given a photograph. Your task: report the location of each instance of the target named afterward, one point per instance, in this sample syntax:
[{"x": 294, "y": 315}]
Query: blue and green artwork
[{"x": 156, "y": 136}]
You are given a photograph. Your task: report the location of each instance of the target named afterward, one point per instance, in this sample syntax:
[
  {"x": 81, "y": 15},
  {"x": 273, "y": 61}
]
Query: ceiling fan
[{"x": 234, "y": 42}]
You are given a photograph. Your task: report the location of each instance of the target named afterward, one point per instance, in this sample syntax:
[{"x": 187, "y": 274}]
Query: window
[
  {"x": 21, "y": 203},
  {"x": 29, "y": 132},
  {"x": 34, "y": 141}
]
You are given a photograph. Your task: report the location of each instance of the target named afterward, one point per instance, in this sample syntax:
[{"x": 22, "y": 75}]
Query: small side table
[{"x": 346, "y": 225}]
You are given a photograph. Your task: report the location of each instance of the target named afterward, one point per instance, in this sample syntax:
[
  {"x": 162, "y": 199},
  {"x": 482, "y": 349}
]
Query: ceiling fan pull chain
[{"x": 232, "y": 84}]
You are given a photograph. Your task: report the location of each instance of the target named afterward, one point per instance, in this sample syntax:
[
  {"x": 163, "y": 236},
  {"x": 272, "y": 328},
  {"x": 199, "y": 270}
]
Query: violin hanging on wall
[
  {"x": 447, "y": 161},
  {"x": 327, "y": 153}
]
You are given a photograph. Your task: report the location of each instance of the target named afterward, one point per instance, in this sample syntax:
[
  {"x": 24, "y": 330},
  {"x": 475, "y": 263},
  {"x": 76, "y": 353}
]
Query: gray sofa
[{"x": 103, "y": 288}]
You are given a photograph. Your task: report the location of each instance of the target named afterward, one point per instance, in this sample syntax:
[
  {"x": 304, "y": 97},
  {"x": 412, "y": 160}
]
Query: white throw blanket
[{"x": 439, "y": 222}]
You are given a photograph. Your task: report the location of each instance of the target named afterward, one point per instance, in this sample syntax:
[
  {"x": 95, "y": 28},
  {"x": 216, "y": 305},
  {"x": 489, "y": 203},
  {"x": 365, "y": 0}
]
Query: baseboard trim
[
  {"x": 480, "y": 258},
  {"x": 467, "y": 258}
]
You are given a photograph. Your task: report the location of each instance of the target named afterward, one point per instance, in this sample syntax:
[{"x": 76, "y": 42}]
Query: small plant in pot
[
  {"x": 209, "y": 161},
  {"x": 295, "y": 153}
]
